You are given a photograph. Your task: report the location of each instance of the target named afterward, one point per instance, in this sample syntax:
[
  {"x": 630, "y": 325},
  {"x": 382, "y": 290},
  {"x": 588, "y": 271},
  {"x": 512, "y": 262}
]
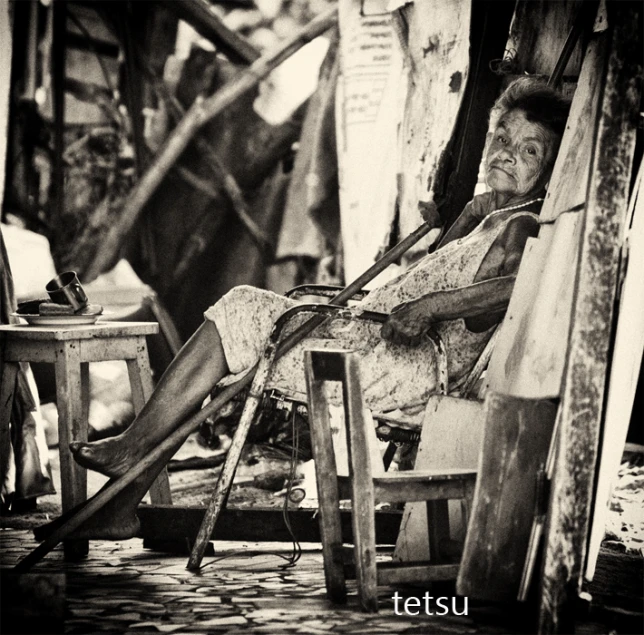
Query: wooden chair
[{"x": 366, "y": 489}]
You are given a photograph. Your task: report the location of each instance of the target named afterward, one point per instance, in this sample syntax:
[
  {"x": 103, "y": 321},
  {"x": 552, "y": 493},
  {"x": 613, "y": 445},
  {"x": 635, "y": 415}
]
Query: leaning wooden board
[
  {"x": 452, "y": 434},
  {"x": 625, "y": 368},
  {"x": 515, "y": 446}
]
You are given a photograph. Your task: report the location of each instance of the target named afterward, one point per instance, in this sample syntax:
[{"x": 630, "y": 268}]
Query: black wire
[{"x": 296, "y": 553}]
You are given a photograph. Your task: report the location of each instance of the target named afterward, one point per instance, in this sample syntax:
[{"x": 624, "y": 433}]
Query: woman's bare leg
[{"x": 198, "y": 366}]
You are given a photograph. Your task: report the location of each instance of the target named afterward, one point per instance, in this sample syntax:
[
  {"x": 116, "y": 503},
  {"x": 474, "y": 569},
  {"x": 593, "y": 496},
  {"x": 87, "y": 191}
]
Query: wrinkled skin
[{"x": 518, "y": 165}]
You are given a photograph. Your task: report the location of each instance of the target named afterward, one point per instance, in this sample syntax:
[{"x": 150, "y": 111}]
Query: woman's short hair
[{"x": 540, "y": 103}]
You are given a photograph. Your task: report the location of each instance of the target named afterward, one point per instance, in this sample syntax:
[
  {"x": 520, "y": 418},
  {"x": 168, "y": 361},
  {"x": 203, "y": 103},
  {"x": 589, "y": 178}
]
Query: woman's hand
[{"x": 407, "y": 323}]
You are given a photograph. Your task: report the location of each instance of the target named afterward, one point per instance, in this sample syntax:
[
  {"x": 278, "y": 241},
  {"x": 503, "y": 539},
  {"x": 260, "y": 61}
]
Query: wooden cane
[{"x": 114, "y": 486}]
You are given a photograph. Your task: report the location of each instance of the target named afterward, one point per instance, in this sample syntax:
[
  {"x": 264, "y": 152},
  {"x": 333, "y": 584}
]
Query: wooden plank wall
[
  {"x": 537, "y": 32},
  {"x": 591, "y": 327}
]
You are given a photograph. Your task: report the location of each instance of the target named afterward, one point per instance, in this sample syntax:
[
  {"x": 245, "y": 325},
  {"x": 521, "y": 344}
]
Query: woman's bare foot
[
  {"x": 111, "y": 457},
  {"x": 116, "y": 520},
  {"x": 112, "y": 522}
]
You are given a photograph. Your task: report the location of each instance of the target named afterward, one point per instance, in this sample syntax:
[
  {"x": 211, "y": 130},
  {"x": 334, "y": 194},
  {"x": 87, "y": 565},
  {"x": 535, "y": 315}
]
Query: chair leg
[
  {"x": 327, "y": 484},
  {"x": 438, "y": 526},
  {"x": 362, "y": 490}
]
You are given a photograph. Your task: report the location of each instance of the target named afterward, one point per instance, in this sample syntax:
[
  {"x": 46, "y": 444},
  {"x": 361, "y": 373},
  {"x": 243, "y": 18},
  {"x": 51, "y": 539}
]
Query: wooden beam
[
  {"x": 175, "y": 523},
  {"x": 197, "y": 14},
  {"x": 591, "y": 330},
  {"x": 202, "y": 111}
]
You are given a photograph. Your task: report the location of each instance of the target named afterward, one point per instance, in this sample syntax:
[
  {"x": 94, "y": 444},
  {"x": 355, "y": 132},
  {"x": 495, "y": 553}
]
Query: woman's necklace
[{"x": 519, "y": 205}]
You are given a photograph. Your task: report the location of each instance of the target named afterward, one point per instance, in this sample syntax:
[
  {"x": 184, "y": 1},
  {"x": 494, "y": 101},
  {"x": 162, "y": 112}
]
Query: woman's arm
[
  {"x": 481, "y": 304},
  {"x": 409, "y": 321}
]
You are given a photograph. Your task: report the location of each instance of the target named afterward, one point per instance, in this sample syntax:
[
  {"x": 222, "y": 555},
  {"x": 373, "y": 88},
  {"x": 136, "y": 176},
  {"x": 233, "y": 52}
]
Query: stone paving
[{"x": 122, "y": 588}]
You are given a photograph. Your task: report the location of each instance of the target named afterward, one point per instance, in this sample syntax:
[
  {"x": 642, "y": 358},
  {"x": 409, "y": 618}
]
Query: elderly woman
[{"x": 463, "y": 288}]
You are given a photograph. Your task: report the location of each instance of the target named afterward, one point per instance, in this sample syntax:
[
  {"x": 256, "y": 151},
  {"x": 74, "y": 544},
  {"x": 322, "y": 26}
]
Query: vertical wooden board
[
  {"x": 515, "y": 447},
  {"x": 451, "y": 437},
  {"x": 625, "y": 368},
  {"x": 535, "y": 363},
  {"x": 591, "y": 328},
  {"x": 523, "y": 295},
  {"x": 570, "y": 175},
  {"x": 537, "y": 49},
  {"x": 437, "y": 58}
]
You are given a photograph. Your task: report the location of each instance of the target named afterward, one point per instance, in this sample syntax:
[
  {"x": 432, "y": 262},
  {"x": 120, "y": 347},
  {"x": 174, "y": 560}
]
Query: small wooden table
[{"x": 71, "y": 349}]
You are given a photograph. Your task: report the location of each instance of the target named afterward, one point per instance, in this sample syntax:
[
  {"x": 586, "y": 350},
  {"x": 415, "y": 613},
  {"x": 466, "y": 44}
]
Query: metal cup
[{"x": 66, "y": 288}]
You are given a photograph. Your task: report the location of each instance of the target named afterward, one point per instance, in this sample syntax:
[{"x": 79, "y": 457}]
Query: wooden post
[
  {"x": 202, "y": 111},
  {"x": 591, "y": 329}
]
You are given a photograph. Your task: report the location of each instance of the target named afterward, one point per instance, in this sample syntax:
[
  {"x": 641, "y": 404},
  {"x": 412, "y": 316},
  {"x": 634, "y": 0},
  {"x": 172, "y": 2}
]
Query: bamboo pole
[
  {"x": 113, "y": 487},
  {"x": 202, "y": 111}
]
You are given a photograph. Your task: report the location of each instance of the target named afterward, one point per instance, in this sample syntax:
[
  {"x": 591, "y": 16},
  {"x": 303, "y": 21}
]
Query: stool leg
[
  {"x": 7, "y": 388},
  {"x": 141, "y": 383},
  {"x": 71, "y": 427}
]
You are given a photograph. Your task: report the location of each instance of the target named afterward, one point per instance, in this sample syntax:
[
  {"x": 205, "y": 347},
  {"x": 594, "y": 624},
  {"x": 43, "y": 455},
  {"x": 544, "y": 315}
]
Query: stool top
[{"x": 78, "y": 332}]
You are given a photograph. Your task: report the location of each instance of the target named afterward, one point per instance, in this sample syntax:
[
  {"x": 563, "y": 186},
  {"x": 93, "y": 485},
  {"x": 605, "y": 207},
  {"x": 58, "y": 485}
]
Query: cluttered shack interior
[{"x": 321, "y": 316}]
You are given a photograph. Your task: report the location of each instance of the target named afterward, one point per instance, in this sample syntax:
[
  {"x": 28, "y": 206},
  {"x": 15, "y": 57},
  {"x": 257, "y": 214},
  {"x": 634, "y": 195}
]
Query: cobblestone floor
[{"x": 122, "y": 588}]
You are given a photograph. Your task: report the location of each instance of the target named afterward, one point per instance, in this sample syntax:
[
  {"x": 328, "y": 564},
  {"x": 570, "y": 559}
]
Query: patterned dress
[{"x": 393, "y": 376}]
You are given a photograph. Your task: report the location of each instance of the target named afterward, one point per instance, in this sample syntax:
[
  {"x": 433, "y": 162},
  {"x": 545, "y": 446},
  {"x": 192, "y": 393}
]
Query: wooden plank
[
  {"x": 29, "y": 351},
  {"x": 515, "y": 447},
  {"x": 326, "y": 476},
  {"x": 176, "y": 523},
  {"x": 537, "y": 34},
  {"x": 451, "y": 438},
  {"x": 197, "y": 13},
  {"x": 530, "y": 354},
  {"x": 571, "y": 171},
  {"x": 625, "y": 369},
  {"x": 89, "y": 331},
  {"x": 393, "y": 573},
  {"x": 585, "y": 377}
]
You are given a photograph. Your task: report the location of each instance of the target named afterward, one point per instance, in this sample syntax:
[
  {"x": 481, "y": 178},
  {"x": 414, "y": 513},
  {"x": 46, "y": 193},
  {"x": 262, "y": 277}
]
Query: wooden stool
[{"x": 70, "y": 349}]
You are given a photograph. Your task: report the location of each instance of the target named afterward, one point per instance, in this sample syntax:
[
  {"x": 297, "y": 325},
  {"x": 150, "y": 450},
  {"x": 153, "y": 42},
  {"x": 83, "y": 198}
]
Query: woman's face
[{"x": 519, "y": 157}]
